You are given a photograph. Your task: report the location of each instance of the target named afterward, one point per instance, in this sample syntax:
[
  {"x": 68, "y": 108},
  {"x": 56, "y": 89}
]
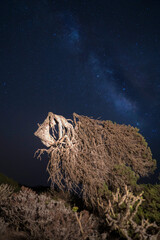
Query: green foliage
[
  {"x": 137, "y": 129},
  {"x": 126, "y": 175},
  {"x": 9, "y": 181},
  {"x": 116, "y": 207},
  {"x": 104, "y": 191},
  {"x": 140, "y": 137},
  {"x": 150, "y": 208},
  {"x": 75, "y": 209}
]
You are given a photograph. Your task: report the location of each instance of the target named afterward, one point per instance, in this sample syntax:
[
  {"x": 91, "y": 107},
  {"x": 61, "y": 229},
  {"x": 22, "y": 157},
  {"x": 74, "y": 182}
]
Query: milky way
[{"x": 96, "y": 58}]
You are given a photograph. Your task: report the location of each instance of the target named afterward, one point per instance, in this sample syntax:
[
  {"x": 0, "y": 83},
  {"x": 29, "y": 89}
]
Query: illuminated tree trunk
[{"x": 88, "y": 153}]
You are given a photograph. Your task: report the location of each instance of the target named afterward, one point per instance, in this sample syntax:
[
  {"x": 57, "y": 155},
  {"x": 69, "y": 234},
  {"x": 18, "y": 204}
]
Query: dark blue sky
[{"x": 96, "y": 58}]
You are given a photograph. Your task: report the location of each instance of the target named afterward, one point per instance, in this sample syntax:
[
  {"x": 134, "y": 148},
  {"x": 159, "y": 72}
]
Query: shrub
[
  {"x": 150, "y": 208},
  {"x": 123, "y": 175},
  {"x": 5, "y": 191},
  {"x": 86, "y": 153},
  {"x": 6, "y": 180},
  {"x": 120, "y": 209},
  {"x": 3, "y": 227},
  {"x": 41, "y": 217}
]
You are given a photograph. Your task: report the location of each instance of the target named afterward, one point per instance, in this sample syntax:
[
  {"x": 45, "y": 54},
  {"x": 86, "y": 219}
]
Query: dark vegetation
[
  {"x": 9, "y": 181},
  {"x": 94, "y": 167}
]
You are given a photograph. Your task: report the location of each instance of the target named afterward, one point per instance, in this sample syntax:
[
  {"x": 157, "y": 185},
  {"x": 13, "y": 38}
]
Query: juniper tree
[{"x": 85, "y": 153}]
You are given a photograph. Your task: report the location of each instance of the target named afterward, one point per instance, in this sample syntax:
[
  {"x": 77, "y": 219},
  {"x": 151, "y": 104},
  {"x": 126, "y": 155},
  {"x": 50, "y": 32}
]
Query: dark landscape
[
  {"x": 79, "y": 120},
  {"x": 92, "y": 196}
]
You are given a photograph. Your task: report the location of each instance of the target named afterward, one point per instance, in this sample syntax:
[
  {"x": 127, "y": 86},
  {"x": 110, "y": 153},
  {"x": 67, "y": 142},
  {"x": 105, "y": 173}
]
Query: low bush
[
  {"x": 6, "y": 180},
  {"x": 150, "y": 208},
  {"x": 41, "y": 217}
]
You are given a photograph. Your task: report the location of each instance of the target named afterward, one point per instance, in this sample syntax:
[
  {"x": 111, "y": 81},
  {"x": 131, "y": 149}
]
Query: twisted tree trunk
[{"x": 84, "y": 153}]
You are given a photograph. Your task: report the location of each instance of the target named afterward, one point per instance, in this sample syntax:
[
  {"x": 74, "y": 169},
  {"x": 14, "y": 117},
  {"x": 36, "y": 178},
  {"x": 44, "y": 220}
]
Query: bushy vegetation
[
  {"x": 100, "y": 162},
  {"x": 28, "y": 215},
  {"x": 6, "y": 180},
  {"x": 123, "y": 175},
  {"x": 39, "y": 216},
  {"x": 95, "y": 158},
  {"x": 89, "y": 152},
  {"x": 150, "y": 208}
]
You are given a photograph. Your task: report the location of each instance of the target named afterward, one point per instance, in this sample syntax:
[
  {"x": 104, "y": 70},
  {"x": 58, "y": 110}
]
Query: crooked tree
[{"x": 85, "y": 153}]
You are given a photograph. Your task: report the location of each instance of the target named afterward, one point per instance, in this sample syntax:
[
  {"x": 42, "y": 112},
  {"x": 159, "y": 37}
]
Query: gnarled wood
[{"x": 84, "y": 153}]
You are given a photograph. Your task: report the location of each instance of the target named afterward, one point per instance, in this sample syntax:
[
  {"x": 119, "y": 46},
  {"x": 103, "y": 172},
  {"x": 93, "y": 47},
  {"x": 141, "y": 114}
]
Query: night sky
[{"x": 99, "y": 58}]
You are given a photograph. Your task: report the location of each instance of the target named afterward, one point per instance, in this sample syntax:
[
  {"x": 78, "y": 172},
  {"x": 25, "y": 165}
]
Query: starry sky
[{"x": 95, "y": 58}]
